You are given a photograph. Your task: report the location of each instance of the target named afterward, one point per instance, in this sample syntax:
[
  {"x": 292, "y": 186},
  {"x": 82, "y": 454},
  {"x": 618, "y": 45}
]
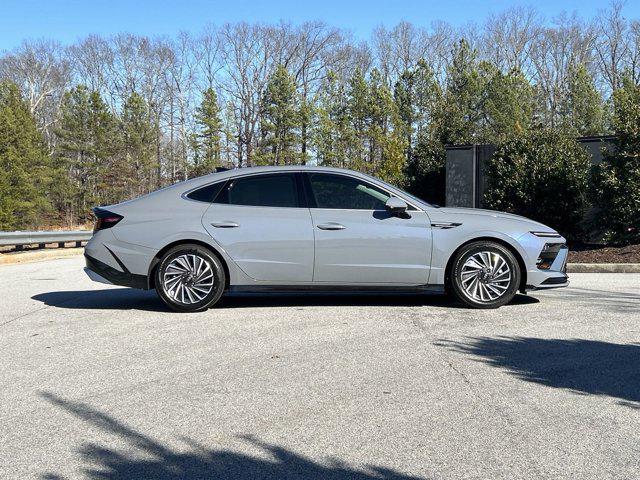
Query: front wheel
[
  {"x": 189, "y": 278},
  {"x": 484, "y": 274}
]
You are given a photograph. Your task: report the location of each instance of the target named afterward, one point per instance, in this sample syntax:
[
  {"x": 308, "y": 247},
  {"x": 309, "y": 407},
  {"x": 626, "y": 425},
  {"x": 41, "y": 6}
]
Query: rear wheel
[
  {"x": 485, "y": 274},
  {"x": 189, "y": 278}
]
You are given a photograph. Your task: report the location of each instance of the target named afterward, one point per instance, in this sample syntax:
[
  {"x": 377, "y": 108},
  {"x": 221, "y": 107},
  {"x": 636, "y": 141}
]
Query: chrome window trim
[{"x": 184, "y": 195}]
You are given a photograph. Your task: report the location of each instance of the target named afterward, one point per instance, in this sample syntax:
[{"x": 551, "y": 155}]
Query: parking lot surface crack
[{"x": 513, "y": 429}]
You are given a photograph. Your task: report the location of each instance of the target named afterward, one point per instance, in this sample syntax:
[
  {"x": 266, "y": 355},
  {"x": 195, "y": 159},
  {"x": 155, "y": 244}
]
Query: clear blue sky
[{"x": 69, "y": 20}]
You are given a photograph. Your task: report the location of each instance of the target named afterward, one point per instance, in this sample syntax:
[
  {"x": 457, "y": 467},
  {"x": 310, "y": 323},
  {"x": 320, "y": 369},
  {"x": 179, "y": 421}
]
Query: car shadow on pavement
[
  {"x": 587, "y": 367},
  {"x": 106, "y": 299},
  {"x": 132, "y": 299},
  {"x": 351, "y": 299},
  {"x": 146, "y": 458}
]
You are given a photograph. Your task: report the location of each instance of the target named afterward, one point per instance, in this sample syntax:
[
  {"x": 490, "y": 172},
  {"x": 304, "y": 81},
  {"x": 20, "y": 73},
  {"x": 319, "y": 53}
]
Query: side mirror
[{"x": 396, "y": 205}]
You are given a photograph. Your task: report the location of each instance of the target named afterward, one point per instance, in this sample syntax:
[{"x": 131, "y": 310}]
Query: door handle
[
  {"x": 331, "y": 226},
  {"x": 225, "y": 224}
]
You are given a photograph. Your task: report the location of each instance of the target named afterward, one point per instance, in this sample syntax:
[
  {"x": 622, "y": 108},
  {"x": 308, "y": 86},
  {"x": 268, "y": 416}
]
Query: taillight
[{"x": 105, "y": 219}]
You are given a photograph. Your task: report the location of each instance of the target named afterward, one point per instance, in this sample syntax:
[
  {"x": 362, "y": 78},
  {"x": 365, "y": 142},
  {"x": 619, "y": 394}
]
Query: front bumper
[{"x": 553, "y": 277}]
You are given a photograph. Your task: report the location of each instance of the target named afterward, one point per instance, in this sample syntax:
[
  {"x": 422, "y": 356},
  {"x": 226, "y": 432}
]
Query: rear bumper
[
  {"x": 96, "y": 277},
  {"x": 101, "y": 272}
]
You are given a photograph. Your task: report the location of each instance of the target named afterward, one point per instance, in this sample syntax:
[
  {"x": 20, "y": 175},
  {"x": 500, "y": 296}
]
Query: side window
[
  {"x": 271, "y": 190},
  {"x": 338, "y": 191},
  {"x": 206, "y": 194}
]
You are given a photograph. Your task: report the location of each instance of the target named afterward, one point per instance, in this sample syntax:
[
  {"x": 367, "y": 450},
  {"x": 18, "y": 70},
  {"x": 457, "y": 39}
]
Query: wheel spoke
[
  {"x": 206, "y": 273},
  {"x": 470, "y": 278},
  {"x": 174, "y": 268},
  {"x": 494, "y": 290},
  {"x": 189, "y": 294},
  {"x": 499, "y": 276},
  {"x": 499, "y": 264},
  {"x": 173, "y": 289}
]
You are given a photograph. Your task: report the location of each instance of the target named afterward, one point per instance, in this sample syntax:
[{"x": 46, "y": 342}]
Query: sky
[{"x": 67, "y": 21}]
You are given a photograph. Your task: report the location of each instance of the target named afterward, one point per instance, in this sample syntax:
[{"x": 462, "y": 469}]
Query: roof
[
  {"x": 235, "y": 172},
  {"x": 183, "y": 187}
]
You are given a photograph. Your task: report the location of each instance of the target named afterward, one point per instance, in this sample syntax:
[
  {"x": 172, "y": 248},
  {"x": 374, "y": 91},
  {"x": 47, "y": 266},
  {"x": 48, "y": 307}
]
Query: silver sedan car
[{"x": 305, "y": 228}]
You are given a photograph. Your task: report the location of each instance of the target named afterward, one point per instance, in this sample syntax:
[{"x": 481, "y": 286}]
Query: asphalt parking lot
[{"x": 102, "y": 382}]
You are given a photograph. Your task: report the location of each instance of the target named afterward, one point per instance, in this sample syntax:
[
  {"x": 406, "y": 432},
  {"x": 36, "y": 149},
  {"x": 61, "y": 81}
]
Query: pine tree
[
  {"x": 358, "y": 110},
  {"x": 386, "y": 138},
  {"x": 332, "y": 131},
  {"x": 209, "y": 135},
  {"x": 460, "y": 114},
  {"x": 25, "y": 169},
  {"x": 616, "y": 181},
  {"x": 86, "y": 149},
  {"x": 509, "y": 105},
  {"x": 456, "y": 116},
  {"x": 416, "y": 94},
  {"x": 138, "y": 162},
  {"x": 584, "y": 109},
  {"x": 281, "y": 120}
]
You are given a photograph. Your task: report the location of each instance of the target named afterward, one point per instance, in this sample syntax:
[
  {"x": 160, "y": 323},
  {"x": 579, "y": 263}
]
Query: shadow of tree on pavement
[
  {"x": 583, "y": 366},
  {"x": 146, "y": 458}
]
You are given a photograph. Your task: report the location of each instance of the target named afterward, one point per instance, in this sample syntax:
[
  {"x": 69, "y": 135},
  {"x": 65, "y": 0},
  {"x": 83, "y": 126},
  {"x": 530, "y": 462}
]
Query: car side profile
[{"x": 309, "y": 228}]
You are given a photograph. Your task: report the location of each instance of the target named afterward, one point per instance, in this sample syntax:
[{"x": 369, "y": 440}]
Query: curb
[
  {"x": 38, "y": 255},
  {"x": 603, "y": 268}
]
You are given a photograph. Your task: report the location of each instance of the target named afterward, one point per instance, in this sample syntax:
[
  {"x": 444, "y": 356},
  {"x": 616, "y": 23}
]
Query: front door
[
  {"x": 259, "y": 221},
  {"x": 358, "y": 241}
]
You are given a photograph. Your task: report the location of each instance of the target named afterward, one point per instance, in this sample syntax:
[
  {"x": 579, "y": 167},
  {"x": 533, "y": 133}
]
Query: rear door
[
  {"x": 262, "y": 224},
  {"x": 359, "y": 241}
]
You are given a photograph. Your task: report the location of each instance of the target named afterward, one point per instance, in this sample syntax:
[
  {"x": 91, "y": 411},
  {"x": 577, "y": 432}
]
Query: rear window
[
  {"x": 206, "y": 194},
  {"x": 277, "y": 190}
]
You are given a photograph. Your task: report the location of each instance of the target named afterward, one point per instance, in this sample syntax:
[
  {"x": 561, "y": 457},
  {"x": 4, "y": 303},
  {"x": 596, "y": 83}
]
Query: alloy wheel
[
  {"x": 188, "y": 279},
  {"x": 485, "y": 276}
]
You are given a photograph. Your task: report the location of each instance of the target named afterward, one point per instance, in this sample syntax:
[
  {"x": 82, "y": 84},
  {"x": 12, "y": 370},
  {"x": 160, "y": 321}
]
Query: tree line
[{"x": 111, "y": 118}]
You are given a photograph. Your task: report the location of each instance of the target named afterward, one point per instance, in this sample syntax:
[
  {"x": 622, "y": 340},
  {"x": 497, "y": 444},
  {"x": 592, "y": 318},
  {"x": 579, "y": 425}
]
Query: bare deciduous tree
[
  {"x": 612, "y": 44},
  {"x": 555, "y": 51},
  {"x": 508, "y": 38},
  {"x": 41, "y": 70}
]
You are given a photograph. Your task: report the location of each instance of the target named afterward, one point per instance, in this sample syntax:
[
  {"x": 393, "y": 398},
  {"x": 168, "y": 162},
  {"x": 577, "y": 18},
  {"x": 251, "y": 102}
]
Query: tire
[
  {"x": 189, "y": 278},
  {"x": 484, "y": 274}
]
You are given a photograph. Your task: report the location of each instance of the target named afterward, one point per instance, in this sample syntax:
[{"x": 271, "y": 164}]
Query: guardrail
[{"x": 41, "y": 238}]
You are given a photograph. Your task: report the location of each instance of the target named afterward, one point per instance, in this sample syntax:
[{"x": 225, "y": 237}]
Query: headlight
[{"x": 547, "y": 234}]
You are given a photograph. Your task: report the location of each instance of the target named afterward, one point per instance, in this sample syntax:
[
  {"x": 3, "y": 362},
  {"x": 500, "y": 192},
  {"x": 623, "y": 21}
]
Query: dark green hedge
[{"x": 543, "y": 176}]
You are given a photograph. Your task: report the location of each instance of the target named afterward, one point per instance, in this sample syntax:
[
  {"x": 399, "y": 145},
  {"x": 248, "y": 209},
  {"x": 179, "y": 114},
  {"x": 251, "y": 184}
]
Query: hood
[{"x": 491, "y": 214}]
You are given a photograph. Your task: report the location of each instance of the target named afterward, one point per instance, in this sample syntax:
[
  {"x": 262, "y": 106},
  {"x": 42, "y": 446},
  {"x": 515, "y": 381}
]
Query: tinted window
[
  {"x": 206, "y": 194},
  {"x": 337, "y": 191},
  {"x": 277, "y": 190}
]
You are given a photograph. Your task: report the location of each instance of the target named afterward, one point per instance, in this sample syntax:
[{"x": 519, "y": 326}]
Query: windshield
[{"x": 404, "y": 193}]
